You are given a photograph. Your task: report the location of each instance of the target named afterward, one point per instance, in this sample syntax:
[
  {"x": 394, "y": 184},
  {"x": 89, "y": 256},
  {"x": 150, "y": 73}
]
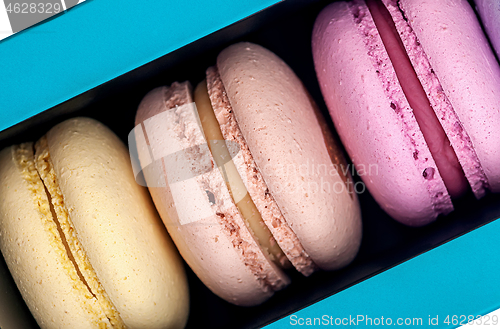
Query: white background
[{"x": 5, "y": 29}]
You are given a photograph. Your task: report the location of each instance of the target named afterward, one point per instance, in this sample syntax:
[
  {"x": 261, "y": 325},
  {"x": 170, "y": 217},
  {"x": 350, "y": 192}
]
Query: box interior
[{"x": 285, "y": 29}]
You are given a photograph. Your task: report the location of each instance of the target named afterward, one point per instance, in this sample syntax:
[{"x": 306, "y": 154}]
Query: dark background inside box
[{"x": 286, "y": 30}]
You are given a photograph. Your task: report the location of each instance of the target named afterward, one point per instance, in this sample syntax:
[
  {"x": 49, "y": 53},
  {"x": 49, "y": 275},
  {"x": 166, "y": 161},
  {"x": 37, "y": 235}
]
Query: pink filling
[{"x": 434, "y": 134}]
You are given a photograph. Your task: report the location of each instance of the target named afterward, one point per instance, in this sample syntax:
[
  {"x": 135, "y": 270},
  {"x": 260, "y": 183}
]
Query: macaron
[
  {"x": 413, "y": 89},
  {"x": 489, "y": 12},
  {"x": 14, "y": 314},
  {"x": 246, "y": 176},
  {"x": 82, "y": 239}
]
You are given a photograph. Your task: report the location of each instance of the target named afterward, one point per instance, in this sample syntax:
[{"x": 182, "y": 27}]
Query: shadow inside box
[
  {"x": 286, "y": 30},
  {"x": 386, "y": 243}
]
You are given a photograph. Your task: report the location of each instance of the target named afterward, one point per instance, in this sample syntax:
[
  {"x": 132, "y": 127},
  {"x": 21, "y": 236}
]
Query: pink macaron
[
  {"x": 489, "y": 11},
  {"x": 413, "y": 89},
  {"x": 246, "y": 176}
]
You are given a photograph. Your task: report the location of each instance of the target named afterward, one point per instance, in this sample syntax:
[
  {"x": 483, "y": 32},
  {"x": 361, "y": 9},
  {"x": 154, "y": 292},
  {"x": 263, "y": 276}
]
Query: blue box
[{"x": 99, "y": 58}]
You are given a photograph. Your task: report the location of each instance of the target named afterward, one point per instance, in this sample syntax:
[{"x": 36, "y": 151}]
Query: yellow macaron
[{"x": 82, "y": 239}]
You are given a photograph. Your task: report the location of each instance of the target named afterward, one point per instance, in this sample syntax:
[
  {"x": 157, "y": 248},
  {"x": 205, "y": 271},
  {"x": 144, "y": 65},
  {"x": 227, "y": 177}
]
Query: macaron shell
[
  {"x": 36, "y": 260},
  {"x": 467, "y": 69},
  {"x": 382, "y": 138},
  {"x": 489, "y": 11},
  {"x": 211, "y": 255},
  {"x": 117, "y": 225},
  {"x": 278, "y": 122},
  {"x": 204, "y": 222},
  {"x": 253, "y": 180},
  {"x": 443, "y": 110}
]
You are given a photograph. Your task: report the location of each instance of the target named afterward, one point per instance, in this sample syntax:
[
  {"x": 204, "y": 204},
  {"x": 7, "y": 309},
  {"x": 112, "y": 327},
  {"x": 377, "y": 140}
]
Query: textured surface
[
  {"x": 468, "y": 71},
  {"x": 117, "y": 225},
  {"x": 373, "y": 118},
  {"x": 490, "y": 16},
  {"x": 215, "y": 241},
  {"x": 32, "y": 249},
  {"x": 457, "y": 137},
  {"x": 254, "y": 182},
  {"x": 278, "y": 122},
  {"x": 458, "y": 72},
  {"x": 79, "y": 260}
]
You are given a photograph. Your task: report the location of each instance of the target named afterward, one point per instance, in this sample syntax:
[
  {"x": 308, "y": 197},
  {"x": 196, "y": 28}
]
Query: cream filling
[
  {"x": 23, "y": 156},
  {"x": 235, "y": 185},
  {"x": 433, "y": 132},
  {"x": 73, "y": 254}
]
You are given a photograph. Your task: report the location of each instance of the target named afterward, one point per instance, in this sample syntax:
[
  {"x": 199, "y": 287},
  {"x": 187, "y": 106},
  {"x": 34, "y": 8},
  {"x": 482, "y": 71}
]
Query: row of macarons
[{"x": 413, "y": 88}]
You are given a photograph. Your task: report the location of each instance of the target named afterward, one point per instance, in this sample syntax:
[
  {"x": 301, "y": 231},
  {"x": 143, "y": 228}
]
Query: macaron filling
[
  {"x": 77, "y": 258},
  {"x": 446, "y": 113},
  {"x": 257, "y": 187},
  {"x": 398, "y": 109},
  {"x": 65, "y": 243},
  {"x": 234, "y": 182},
  {"x": 435, "y": 136}
]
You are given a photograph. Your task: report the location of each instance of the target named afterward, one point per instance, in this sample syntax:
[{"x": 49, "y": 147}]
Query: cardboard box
[{"x": 101, "y": 57}]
